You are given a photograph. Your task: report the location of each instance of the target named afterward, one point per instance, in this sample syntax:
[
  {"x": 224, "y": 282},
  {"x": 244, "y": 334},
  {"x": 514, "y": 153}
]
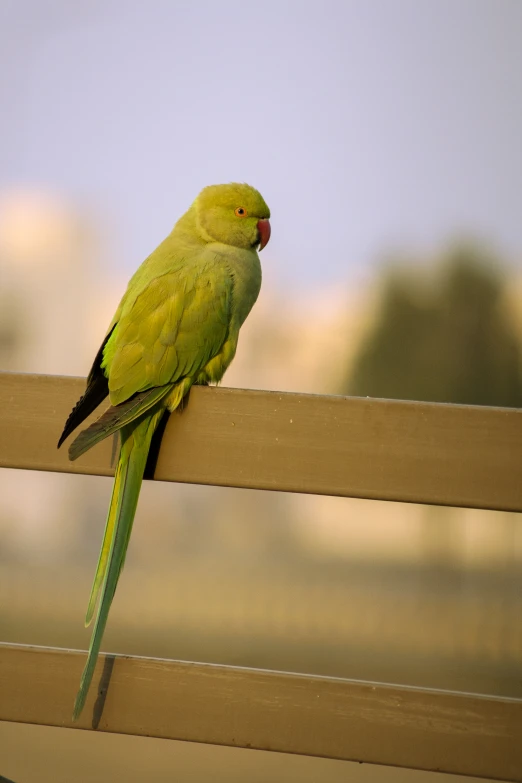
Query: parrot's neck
[{"x": 187, "y": 232}]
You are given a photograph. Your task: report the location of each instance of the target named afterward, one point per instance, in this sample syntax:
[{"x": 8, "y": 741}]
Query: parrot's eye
[{"x": 240, "y": 212}]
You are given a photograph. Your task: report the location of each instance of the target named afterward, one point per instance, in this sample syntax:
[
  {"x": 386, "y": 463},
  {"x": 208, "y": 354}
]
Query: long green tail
[{"x": 135, "y": 444}]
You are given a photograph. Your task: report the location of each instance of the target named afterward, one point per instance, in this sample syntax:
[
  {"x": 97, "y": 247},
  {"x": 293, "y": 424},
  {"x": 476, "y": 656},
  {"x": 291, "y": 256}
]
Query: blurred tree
[{"x": 446, "y": 340}]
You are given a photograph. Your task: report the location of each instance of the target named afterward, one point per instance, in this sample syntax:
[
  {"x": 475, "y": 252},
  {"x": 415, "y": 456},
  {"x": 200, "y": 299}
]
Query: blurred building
[
  {"x": 48, "y": 260},
  {"x": 50, "y": 305}
]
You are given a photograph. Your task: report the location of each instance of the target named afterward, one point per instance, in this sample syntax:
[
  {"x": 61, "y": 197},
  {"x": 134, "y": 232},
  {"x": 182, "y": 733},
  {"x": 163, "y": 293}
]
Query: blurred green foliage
[{"x": 443, "y": 337}]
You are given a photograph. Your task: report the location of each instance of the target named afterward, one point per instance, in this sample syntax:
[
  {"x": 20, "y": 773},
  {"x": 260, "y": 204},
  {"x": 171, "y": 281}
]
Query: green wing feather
[
  {"x": 170, "y": 329},
  {"x": 115, "y": 418}
]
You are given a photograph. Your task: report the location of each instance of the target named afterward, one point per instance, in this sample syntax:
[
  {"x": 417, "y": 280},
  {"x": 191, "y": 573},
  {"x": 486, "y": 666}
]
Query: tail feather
[
  {"x": 135, "y": 444},
  {"x": 108, "y": 535}
]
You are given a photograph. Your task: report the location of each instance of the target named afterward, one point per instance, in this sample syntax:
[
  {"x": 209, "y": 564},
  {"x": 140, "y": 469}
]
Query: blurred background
[{"x": 385, "y": 137}]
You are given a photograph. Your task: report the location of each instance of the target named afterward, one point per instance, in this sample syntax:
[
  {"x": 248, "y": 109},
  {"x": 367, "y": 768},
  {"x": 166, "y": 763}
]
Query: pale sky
[{"x": 365, "y": 124}]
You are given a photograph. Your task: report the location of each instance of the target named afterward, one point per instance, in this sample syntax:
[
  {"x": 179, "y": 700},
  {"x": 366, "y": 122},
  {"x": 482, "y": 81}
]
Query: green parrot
[{"x": 177, "y": 325}]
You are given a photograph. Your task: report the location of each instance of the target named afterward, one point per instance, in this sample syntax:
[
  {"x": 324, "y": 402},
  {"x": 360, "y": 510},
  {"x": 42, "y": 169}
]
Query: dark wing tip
[
  {"x": 69, "y": 426},
  {"x": 96, "y": 392},
  {"x": 73, "y": 419}
]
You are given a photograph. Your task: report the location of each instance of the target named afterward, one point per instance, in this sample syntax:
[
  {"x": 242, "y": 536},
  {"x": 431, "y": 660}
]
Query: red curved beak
[{"x": 263, "y": 226}]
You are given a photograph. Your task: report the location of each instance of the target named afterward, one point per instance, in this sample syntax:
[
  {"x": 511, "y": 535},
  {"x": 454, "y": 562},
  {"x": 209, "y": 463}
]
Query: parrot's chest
[{"x": 245, "y": 271}]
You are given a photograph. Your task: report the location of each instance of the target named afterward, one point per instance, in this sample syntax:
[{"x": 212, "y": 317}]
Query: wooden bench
[{"x": 351, "y": 447}]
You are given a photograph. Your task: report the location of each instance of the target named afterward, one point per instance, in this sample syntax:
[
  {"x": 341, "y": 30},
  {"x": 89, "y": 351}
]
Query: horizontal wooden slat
[
  {"x": 249, "y": 708},
  {"x": 379, "y": 449}
]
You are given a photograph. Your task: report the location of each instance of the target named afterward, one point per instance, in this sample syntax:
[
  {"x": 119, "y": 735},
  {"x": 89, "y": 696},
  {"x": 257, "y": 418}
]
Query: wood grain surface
[
  {"x": 353, "y": 447},
  {"x": 249, "y": 708}
]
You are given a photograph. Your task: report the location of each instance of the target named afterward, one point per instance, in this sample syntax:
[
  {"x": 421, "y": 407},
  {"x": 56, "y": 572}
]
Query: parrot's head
[{"x": 235, "y": 214}]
